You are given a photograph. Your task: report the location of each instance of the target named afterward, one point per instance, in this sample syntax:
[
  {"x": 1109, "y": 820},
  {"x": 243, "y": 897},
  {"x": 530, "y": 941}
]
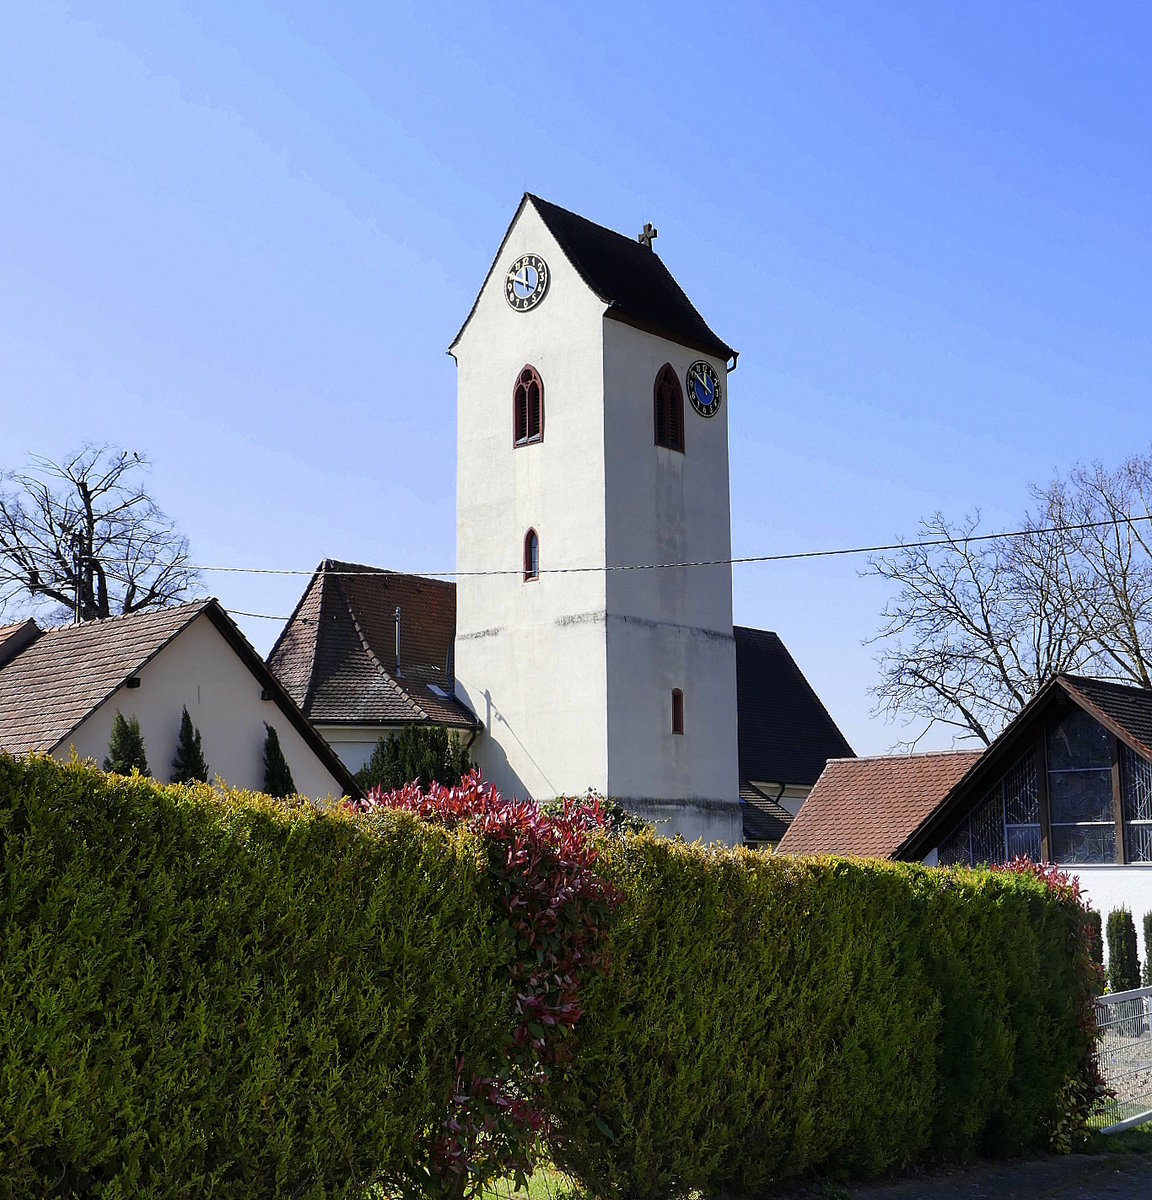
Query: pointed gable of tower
[
  {"x": 626, "y": 275},
  {"x": 631, "y": 279}
]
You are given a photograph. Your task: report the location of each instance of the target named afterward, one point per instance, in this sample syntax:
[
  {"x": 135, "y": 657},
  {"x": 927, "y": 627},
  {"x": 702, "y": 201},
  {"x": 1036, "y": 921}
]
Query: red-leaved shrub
[{"x": 542, "y": 869}]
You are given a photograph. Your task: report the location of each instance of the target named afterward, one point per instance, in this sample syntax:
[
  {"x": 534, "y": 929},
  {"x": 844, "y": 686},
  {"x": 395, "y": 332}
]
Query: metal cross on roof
[{"x": 647, "y": 235}]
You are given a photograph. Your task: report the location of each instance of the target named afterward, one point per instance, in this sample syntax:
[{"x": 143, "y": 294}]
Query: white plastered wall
[
  {"x": 669, "y": 628},
  {"x": 530, "y": 657},
  {"x": 354, "y": 744},
  {"x": 200, "y": 670},
  {"x": 1110, "y": 887}
]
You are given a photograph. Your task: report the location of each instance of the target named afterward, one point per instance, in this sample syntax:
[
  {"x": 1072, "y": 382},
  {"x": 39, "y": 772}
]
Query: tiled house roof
[
  {"x": 786, "y": 734},
  {"x": 336, "y": 656},
  {"x": 54, "y": 683},
  {"x": 867, "y": 807},
  {"x": 58, "y": 677},
  {"x": 628, "y": 277}
]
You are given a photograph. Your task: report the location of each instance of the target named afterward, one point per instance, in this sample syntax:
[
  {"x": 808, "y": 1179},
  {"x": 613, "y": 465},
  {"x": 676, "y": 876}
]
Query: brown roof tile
[
  {"x": 865, "y": 807},
  {"x": 65, "y": 673},
  {"x": 337, "y": 655}
]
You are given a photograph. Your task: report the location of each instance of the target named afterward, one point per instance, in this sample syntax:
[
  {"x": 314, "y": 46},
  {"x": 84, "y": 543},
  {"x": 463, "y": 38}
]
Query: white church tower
[{"x": 593, "y": 435}]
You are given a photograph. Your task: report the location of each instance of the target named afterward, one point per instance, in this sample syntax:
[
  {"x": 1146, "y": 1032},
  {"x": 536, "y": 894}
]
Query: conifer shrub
[
  {"x": 277, "y": 775},
  {"x": 126, "y": 747},
  {"x": 765, "y": 1017},
  {"x": 1147, "y": 974},
  {"x": 189, "y": 764},
  {"x": 420, "y": 754},
  {"x": 1096, "y": 937},
  {"x": 221, "y": 995},
  {"x": 1123, "y": 962}
]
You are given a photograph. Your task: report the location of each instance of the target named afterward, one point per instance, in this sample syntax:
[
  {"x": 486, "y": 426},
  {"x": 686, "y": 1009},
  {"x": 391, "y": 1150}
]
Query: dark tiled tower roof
[
  {"x": 630, "y": 278},
  {"x": 786, "y": 734}
]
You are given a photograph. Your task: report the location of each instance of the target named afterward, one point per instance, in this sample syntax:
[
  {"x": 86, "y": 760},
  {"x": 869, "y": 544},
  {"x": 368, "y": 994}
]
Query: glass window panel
[
  {"x": 954, "y": 850},
  {"x": 1078, "y": 741},
  {"x": 1077, "y": 796},
  {"x": 988, "y": 830},
  {"x": 1084, "y": 843},
  {"x": 1136, "y": 785},
  {"x": 1021, "y": 796},
  {"x": 1138, "y": 842},
  {"x": 1024, "y": 840}
]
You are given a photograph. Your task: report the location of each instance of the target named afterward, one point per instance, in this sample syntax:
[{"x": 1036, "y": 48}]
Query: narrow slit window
[
  {"x": 528, "y": 407},
  {"x": 531, "y": 556},
  {"x": 668, "y": 409},
  {"x": 677, "y": 711}
]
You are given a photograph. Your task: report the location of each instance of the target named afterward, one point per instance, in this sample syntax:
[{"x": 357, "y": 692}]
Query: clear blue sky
[{"x": 239, "y": 238}]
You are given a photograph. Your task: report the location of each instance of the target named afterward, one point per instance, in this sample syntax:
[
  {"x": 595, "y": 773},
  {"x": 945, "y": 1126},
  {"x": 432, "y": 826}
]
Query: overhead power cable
[{"x": 789, "y": 556}]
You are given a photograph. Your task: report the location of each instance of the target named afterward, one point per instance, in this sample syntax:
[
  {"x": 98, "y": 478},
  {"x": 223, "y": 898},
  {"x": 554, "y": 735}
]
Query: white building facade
[{"x": 579, "y": 351}]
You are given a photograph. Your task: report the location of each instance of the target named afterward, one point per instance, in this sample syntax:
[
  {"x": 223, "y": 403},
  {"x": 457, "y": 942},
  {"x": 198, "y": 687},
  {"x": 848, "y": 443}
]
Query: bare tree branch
[
  {"x": 974, "y": 630},
  {"x": 87, "y": 522}
]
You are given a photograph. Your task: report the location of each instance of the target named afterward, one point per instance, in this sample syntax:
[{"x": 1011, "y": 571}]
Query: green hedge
[
  {"x": 223, "y": 996},
  {"x": 766, "y": 1017}
]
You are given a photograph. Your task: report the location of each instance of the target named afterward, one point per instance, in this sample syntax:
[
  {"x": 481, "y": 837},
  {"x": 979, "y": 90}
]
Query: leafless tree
[
  {"x": 85, "y": 528},
  {"x": 975, "y": 627}
]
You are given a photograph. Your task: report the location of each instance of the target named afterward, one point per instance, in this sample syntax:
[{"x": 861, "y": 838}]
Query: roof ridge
[
  {"x": 904, "y": 757},
  {"x": 568, "y": 212},
  {"x": 104, "y": 622},
  {"x": 334, "y": 566},
  {"x": 1124, "y": 684}
]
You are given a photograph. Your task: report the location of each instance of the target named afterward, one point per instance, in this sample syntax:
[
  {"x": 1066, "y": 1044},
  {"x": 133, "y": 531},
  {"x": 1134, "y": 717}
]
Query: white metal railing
[{"x": 1124, "y": 1053}]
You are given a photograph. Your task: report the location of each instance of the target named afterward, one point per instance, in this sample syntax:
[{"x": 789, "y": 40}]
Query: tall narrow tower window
[
  {"x": 528, "y": 408},
  {"x": 677, "y": 711},
  {"x": 531, "y": 556},
  {"x": 668, "y": 408}
]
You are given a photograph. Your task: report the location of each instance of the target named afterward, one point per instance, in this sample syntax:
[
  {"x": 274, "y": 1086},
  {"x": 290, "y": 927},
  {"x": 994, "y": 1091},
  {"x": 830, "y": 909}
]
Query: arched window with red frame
[
  {"x": 668, "y": 409},
  {"x": 677, "y": 711},
  {"x": 528, "y": 407},
  {"x": 531, "y": 556}
]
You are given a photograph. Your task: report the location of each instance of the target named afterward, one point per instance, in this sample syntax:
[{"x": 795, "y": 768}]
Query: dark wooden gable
[{"x": 1069, "y": 780}]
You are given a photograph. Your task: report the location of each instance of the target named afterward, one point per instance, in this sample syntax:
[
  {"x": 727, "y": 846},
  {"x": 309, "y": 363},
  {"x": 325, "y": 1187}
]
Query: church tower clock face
[
  {"x": 703, "y": 388},
  {"x": 527, "y": 282}
]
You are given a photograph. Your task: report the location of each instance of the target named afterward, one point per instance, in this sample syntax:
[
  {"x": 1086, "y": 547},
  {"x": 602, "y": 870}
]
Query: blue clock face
[
  {"x": 526, "y": 282},
  {"x": 703, "y": 387}
]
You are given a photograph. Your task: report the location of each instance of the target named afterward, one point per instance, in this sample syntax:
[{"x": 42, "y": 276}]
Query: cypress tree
[
  {"x": 1096, "y": 936},
  {"x": 1123, "y": 965},
  {"x": 1148, "y": 949},
  {"x": 126, "y": 747},
  {"x": 277, "y": 776},
  {"x": 422, "y": 754},
  {"x": 189, "y": 766}
]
